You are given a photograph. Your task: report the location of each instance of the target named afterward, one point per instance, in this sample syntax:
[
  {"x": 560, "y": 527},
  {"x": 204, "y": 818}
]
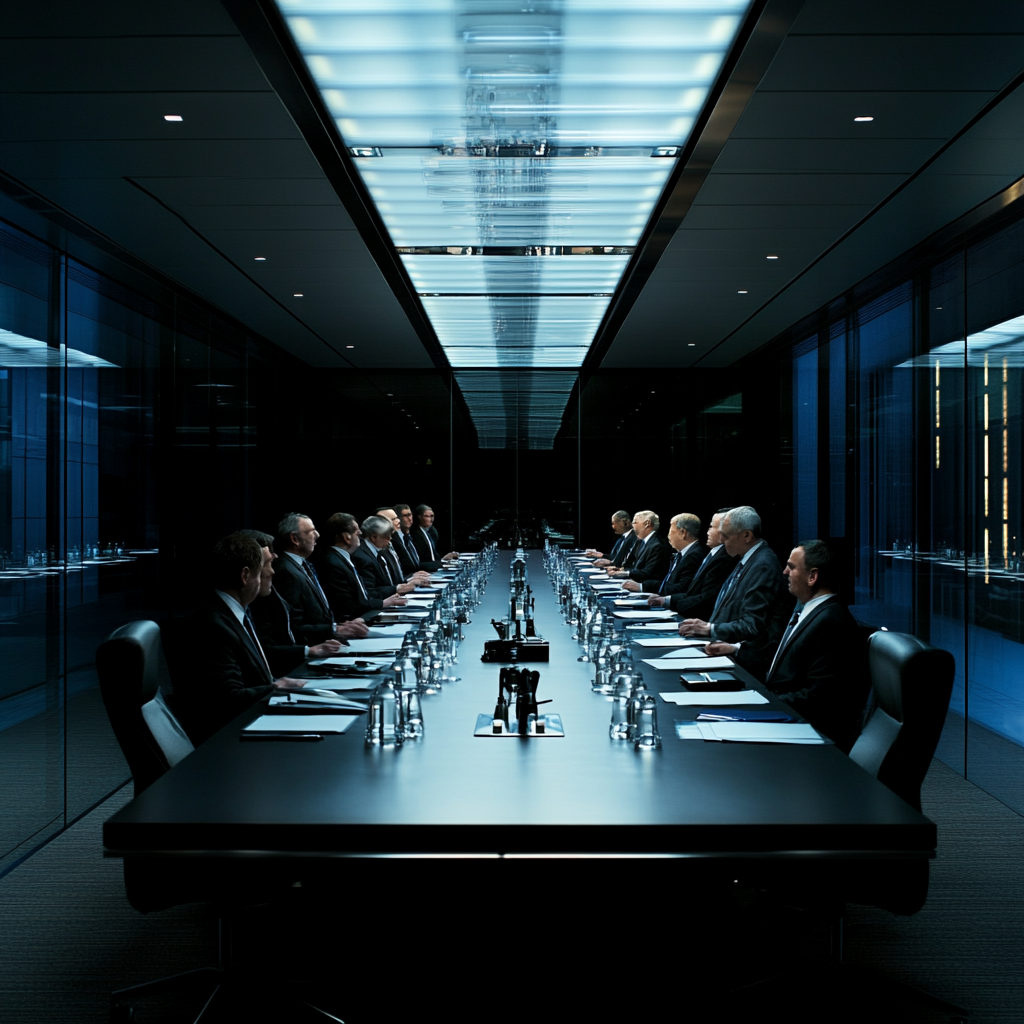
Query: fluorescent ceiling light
[
  {"x": 863, "y": 119},
  {"x": 173, "y": 117},
  {"x": 489, "y": 131}
]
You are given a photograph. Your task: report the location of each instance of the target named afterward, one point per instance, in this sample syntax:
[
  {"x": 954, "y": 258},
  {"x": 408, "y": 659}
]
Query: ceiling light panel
[{"x": 483, "y": 125}]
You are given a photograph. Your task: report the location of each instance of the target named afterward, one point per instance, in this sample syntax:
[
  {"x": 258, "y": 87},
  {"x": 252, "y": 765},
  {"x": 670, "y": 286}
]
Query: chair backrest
[
  {"x": 912, "y": 683},
  {"x": 151, "y": 738}
]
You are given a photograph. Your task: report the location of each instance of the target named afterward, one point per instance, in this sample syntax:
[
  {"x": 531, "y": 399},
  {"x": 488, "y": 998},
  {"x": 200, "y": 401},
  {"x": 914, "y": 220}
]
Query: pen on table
[{"x": 302, "y": 737}]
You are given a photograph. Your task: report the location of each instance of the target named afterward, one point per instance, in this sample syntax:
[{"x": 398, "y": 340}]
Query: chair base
[{"x": 233, "y": 994}]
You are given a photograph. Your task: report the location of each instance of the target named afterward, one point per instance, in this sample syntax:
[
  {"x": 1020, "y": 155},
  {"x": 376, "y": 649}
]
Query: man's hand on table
[
  {"x": 420, "y": 578},
  {"x": 717, "y": 649},
  {"x": 325, "y": 650},
  {"x": 654, "y": 601},
  {"x": 405, "y": 588},
  {"x": 394, "y": 601},
  {"x": 593, "y": 553},
  {"x": 602, "y": 562},
  {"x": 355, "y": 629},
  {"x": 287, "y": 683},
  {"x": 695, "y": 627},
  {"x": 631, "y": 585},
  {"x": 449, "y": 556}
]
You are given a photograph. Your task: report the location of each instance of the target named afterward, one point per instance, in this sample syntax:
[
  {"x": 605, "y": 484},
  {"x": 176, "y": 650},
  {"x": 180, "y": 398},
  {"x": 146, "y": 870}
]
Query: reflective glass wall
[{"x": 917, "y": 429}]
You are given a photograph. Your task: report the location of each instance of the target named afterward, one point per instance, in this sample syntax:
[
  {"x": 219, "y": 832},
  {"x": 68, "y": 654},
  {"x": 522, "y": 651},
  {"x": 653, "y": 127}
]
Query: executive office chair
[
  {"x": 911, "y": 685},
  {"x": 153, "y": 742}
]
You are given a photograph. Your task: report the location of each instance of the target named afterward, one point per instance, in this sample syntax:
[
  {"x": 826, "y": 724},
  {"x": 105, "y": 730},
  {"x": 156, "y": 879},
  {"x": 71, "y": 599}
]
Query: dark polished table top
[{"x": 582, "y": 794}]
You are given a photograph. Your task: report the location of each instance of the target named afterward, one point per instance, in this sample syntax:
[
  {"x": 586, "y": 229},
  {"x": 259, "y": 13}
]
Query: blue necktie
[
  {"x": 724, "y": 592},
  {"x": 250, "y": 631},
  {"x": 671, "y": 569},
  {"x": 785, "y": 638}
]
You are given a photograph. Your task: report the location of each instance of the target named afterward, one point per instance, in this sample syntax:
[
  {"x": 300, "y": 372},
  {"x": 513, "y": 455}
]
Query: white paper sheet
[
  {"x": 655, "y": 615},
  {"x": 353, "y": 662},
  {"x": 668, "y": 641},
  {"x": 760, "y": 732},
  {"x": 631, "y": 602},
  {"x": 388, "y": 643},
  {"x": 694, "y": 650},
  {"x": 687, "y": 698},
  {"x": 303, "y": 723},
  {"x": 351, "y": 683},
  {"x": 686, "y": 665},
  {"x": 302, "y": 698},
  {"x": 402, "y": 613},
  {"x": 655, "y": 626},
  {"x": 388, "y": 632}
]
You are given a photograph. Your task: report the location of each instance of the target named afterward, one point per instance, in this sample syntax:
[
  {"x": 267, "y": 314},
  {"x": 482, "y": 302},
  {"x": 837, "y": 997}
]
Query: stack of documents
[
  {"x": 306, "y": 699},
  {"x": 354, "y": 662},
  {"x": 399, "y": 630},
  {"x": 652, "y": 615},
  {"x": 750, "y": 732},
  {"x": 654, "y": 627},
  {"x": 690, "y": 659},
  {"x": 669, "y": 641},
  {"x": 685, "y": 698},
  {"x": 270, "y": 725}
]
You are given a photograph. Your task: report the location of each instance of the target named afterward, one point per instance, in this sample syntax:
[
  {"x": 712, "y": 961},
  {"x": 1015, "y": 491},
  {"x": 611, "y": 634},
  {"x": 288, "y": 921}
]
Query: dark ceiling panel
[
  {"x": 895, "y": 63},
  {"x": 829, "y": 115},
  {"x": 778, "y": 217},
  {"x": 79, "y": 20},
  {"x": 227, "y": 192},
  {"x": 797, "y": 189},
  {"x": 159, "y": 63},
  {"x": 184, "y": 158},
  {"x": 825, "y": 156},
  {"x": 936, "y": 16},
  {"x": 267, "y": 218},
  {"x": 139, "y": 116}
]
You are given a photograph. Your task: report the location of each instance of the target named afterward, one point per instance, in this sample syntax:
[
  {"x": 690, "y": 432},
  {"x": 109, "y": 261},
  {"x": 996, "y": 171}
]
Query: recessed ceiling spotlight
[
  {"x": 691, "y": 344},
  {"x": 938, "y": 307},
  {"x": 742, "y": 291},
  {"x": 391, "y": 394},
  {"x": 173, "y": 117},
  {"x": 297, "y": 295},
  {"x": 864, "y": 118},
  {"x": 260, "y": 259},
  {"x": 771, "y": 257},
  {"x": 350, "y": 346}
]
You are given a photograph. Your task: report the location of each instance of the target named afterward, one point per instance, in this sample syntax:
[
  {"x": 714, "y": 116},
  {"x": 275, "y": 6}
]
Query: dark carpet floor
[{"x": 68, "y": 936}]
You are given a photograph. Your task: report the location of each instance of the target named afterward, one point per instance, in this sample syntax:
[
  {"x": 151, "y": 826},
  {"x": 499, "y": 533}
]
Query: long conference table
[{"x": 769, "y": 810}]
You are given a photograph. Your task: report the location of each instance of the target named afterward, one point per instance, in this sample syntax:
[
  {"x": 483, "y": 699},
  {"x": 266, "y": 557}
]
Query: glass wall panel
[
  {"x": 805, "y": 440},
  {"x": 31, "y": 580}
]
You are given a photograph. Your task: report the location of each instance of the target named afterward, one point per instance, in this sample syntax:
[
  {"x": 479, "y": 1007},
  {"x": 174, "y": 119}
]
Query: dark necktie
[
  {"x": 250, "y": 631},
  {"x": 359, "y": 582},
  {"x": 430, "y": 545},
  {"x": 386, "y": 566},
  {"x": 785, "y": 638},
  {"x": 676, "y": 558},
  {"x": 703, "y": 566},
  {"x": 733, "y": 579},
  {"x": 314, "y": 582},
  {"x": 394, "y": 565},
  {"x": 411, "y": 548}
]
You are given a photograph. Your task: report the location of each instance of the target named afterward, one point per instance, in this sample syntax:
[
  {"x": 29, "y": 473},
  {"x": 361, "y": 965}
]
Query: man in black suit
[
  {"x": 699, "y": 597},
  {"x": 397, "y": 554},
  {"x": 404, "y": 542},
  {"x": 684, "y": 539},
  {"x": 749, "y": 594},
  {"x": 622, "y": 527},
  {"x": 346, "y": 593},
  {"x": 297, "y": 582},
  {"x": 426, "y": 537},
  {"x": 381, "y": 576},
  {"x": 818, "y": 665},
  {"x": 649, "y": 557},
  {"x": 277, "y": 623},
  {"x": 214, "y": 656}
]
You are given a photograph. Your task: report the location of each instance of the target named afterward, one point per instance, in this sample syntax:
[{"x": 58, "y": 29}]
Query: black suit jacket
[
  {"x": 750, "y": 599},
  {"x": 621, "y": 548},
  {"x": 402, "y": 543},
  {"x": 423, "y": 547},
  {"x": 820, "y": 672},
  {"x": 215, "y": 669},
  {"x": 276, "y": 625},
  {"x": 374, "y": 576},
  {"x": 315, "y": 622},
  {"x": 680, "y": 572},
  {"x": 648, "y": 560},
  {"x": 697, "y": 600},
  {"x": 339, "y": 581}
]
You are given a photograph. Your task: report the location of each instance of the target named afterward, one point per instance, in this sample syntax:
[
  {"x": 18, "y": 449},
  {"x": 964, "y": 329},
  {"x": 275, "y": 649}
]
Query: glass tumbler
[{"x": 647, "y": 737}]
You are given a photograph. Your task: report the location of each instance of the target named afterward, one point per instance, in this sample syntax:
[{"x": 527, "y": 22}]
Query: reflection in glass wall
[{"x": 925, "y": 399}]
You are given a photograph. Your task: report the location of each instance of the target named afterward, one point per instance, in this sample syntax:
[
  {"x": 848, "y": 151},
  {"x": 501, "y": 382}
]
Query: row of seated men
[
  {"x": 269, "y": 609},
  {"x": 787, "y": 625}
]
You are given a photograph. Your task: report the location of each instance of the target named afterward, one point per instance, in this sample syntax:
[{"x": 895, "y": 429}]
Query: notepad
[
  {"x": 645, "y": 615},
  {"x": 760, "y": 732},
  {"x": 631, "y": 602},
  {"x": 349, "y": 683},
  {"x": 301, "y": 723},
  {"x": 654, "y": 626},
  {"x": 353, "y": 662},
  {"x": 685, "y": 699},
  {"x": 391, "y": 643},
  {"x": 704, "y": 664},
  {"x": 303, "y": 698},
  {"x": 388, "y": 632},
  {"x": 669, "y": 641}
]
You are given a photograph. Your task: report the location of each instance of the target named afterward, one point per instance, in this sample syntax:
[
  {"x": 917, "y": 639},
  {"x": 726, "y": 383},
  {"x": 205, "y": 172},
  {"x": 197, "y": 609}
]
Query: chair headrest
[
  {"x": 902, "y": 668},
  {"x": 127, "y": 662}
]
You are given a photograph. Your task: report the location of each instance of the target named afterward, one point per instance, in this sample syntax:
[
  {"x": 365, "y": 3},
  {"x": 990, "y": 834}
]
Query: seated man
[
  {"x": 381, "y": 576},
  {"x": 683, "y": 538},
  {"x": 748, "y": 596},
  {"x": 397, "y": 553},
  {"x": 426, "y": 538},
  {"x": 818, "y": 665},
  {"x": 622, "y": 527},
  {"x": 649, "y": 556},
  {"x": 214, "y": 656},
  {"x": 698, "y": 599},
  {"x": 345, "y": 591},
  {"x": 299, "y": 585},
  {"x": 277, "y": 622}
]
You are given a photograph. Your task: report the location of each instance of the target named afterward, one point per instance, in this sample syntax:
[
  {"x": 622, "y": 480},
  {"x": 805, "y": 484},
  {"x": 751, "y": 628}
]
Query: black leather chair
[
  {"x": 911, "y": 685},
  {"x": 153, "y": 741},
  {"x": 151, "y": 738}
]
